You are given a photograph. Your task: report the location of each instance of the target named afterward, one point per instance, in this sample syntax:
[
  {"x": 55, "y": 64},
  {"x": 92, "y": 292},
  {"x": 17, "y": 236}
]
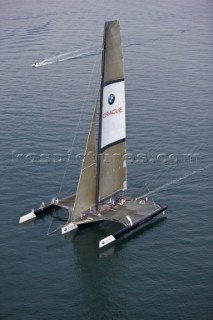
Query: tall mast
[{"x": 100, "y": 118}]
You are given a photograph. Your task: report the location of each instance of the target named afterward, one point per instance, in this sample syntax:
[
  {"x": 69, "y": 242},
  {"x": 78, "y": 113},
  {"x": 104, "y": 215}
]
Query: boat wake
[
  {"x": 168, "y": 184},
  {"x": 80, "y": 53},
  {"x": 85, "y": 52}
]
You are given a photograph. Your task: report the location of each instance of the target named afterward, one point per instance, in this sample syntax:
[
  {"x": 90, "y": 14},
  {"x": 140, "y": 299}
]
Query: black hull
[{"x": 136, "y": 225}]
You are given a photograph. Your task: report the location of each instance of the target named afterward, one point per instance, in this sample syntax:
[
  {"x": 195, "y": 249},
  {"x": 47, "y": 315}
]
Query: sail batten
[
  {"x": 113, "y": 81},
  {"x": 112, "y": 144}
]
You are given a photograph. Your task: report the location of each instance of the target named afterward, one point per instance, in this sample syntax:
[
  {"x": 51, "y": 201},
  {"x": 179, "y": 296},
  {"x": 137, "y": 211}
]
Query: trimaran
[{"x": 103, "y": 178}]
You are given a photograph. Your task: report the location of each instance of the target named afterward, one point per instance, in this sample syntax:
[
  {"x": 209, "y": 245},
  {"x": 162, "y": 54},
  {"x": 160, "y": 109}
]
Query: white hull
[
  {"x": 106, "y": 241},
  {"x": 35, "y": 65},
  {"x": 27, "y": 217},
  {"x": 69, "y": 227}
]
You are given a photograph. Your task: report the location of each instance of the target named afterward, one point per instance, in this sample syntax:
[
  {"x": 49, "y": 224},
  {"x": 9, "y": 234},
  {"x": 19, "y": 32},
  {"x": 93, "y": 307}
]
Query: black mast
[{"x": 100, "y": 118}]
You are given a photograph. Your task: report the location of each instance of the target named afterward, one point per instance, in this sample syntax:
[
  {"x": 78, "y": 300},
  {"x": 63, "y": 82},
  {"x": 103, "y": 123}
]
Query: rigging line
[
  {"x": 74, "y": 138},
  {"x": 89, "y": 166},
  {"x": 193, "y": 150},
  {"x": 163, "y": 173},
  {"x": 174, "y": 181},
  {"x": 54, "y": 231},
  {"x": 151, "y": 196},
  {"x": 172, "y": 166},
  {"x": 77, "y": 128},
  {"x": 159, "y": 172}
]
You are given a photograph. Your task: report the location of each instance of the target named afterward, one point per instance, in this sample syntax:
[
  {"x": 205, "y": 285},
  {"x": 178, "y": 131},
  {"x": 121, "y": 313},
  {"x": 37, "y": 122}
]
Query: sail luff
[
  {"x": 86, "y": 190},
  {"x": 100, "y": 119}
]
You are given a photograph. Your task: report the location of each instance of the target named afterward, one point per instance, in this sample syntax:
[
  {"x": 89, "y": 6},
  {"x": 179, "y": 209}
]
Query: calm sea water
[{"x": 163, "y": 271}]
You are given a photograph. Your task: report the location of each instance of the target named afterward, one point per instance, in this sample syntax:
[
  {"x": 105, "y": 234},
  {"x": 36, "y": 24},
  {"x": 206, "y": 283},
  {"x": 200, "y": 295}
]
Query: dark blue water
[{"x": 163, "y": 271}]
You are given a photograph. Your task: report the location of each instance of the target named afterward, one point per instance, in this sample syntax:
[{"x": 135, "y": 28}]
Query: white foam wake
[{"x": 85, "y": 52}]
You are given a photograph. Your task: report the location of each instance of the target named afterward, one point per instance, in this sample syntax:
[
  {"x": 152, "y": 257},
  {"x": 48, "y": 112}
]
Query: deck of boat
[
  {"x": 126, "y": 214},
  {"x": 130, "y": 212}
]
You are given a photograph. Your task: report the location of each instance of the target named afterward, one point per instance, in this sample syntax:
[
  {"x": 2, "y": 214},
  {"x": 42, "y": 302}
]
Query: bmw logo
[{"x": 111, "y": 99}]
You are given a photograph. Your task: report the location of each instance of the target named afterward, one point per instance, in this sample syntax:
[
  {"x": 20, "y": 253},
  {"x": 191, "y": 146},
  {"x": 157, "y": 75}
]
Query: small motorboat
[{"x": 35, "y": 65}]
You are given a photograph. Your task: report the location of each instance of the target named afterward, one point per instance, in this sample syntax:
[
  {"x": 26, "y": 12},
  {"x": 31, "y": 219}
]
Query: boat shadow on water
[
  {"x": 115, "y": 247},
  {"x": 142, "y": 230},
  {"x": 87, "y": 237}
]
